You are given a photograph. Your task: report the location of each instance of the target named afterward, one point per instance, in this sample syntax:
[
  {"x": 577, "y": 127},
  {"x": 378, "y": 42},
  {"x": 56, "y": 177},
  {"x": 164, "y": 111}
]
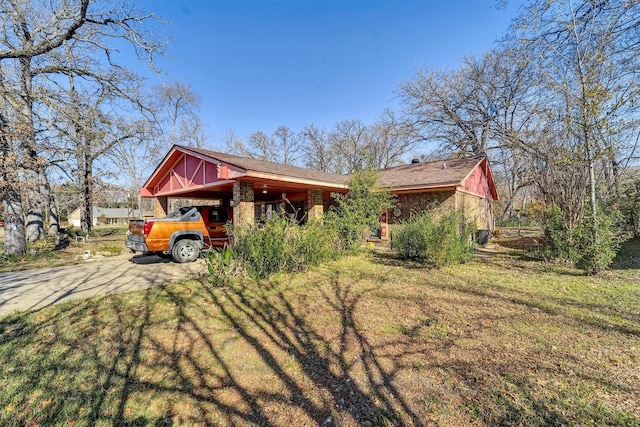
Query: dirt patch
[{"x": 522, "y": 239}]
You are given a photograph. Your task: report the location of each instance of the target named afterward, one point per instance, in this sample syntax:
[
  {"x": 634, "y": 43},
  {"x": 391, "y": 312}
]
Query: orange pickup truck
[{"x": 182, "y": 234}]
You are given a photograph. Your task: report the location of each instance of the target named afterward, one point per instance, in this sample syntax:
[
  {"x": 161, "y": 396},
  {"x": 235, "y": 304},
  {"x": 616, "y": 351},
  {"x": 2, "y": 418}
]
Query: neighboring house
[
  {"x": 107, "y": 216},
  {"x": 255, "y": 187}
]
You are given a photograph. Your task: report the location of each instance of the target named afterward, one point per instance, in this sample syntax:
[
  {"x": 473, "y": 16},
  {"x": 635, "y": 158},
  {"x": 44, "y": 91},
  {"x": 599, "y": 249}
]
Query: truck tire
[{"x": 185, "y": 250}]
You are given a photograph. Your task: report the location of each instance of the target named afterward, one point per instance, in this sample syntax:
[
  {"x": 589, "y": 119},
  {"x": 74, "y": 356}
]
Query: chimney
[{"x": 444, "y": 166}]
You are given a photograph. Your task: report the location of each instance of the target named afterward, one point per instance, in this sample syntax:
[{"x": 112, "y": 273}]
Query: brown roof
[
  {"x": 264, "y": 166},
  {"x": 433, "y": 174},
  {"x": 437, "y": 174}
]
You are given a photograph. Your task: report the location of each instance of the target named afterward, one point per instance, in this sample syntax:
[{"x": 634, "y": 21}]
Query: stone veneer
[
  {"x": 160, "y": 206},
  {"x": 315, "y": 207},
  {"x": 243, "y": 206},
  {"x": 407, "y": 204}
]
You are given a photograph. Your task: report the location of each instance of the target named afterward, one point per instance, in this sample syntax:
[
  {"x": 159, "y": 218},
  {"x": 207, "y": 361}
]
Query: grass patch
[
  {"x": 108, "y": 240},
  {"x": 365, "y": 340}
]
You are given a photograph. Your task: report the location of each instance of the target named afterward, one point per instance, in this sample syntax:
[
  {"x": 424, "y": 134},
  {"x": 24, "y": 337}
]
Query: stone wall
[
  {"x": 160, "y": 205},
  {"x": 243, "y": 206},
  {"x": 410, "y": 203},
  {"x": 475, "y": 208},
  {"x": 315, "y": 207}
]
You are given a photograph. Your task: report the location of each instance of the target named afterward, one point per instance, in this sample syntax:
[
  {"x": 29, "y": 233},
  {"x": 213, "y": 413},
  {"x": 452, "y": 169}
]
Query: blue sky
[{"x": 265, "y": 63}]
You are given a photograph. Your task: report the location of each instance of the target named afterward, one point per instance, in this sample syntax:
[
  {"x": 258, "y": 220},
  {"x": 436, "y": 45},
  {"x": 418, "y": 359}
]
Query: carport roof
[
  {"x": 263, "y": 166},
  {"x": 196, "y": 172}
]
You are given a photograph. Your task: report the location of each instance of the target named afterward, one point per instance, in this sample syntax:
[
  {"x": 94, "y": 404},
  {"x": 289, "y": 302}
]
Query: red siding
[
  {"x": 478, "y": 183},
  {"x": 187, "y": 172}
]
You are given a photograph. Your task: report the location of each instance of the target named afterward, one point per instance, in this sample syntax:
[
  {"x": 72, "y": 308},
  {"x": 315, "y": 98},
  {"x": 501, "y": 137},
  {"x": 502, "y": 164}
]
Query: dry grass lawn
[
  {"x": 363, "y": 341},
  {"x": 104, "y": 241}
]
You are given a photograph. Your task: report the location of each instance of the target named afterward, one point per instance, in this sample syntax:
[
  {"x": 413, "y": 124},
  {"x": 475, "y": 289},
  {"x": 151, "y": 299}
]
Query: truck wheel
[{"x": 185, "y": 251}]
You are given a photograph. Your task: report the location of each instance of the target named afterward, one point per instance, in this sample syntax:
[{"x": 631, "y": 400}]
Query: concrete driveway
[{"x": 33, "y": 289}]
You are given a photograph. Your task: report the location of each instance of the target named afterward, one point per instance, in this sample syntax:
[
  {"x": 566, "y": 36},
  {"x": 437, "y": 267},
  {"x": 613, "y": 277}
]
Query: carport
[{"x": 250, "y": 187}]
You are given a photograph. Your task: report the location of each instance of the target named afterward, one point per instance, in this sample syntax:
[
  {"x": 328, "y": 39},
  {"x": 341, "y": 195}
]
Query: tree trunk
[
  {"x": 34, "y": 226},
  {"x": 35, "y": 229},
  {"x": 14, "y": 241},
  {"x": 52, "y": 206},
  {"x": 14, "y": 237},
  {"x": 85, "y": 171}
]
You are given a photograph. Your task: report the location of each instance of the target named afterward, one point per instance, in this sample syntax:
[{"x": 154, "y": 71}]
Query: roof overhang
[{"x": 188, "y": 173}]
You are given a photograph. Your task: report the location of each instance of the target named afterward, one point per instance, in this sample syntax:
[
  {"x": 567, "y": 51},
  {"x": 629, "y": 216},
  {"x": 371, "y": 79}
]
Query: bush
[
  {"x": 222, "y": 264},
  {"x": 358, "y": 211},
  {"x": 596, "y": 244},
  {"x": 444, "y": 241},
  {"x": 629, "y": 206},
  {"x": 558, "y": 237},
  {"x": 281, "y": 246},
  {"x": 591, "y": 246}
]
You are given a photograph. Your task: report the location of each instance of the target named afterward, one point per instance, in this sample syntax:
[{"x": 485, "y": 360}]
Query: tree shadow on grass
[
  {"x": 256, "y": 354},
  {"x": 555, "y": 305},
  {"x": 326, "y": 367},
  {"x": 173, "y": 354}
]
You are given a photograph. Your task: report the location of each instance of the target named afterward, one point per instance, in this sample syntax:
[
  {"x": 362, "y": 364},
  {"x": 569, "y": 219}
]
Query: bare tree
[
  {"x": 287, "y": 144},
  {"x": 136, "y": 157},
  {"x": 32, "y": 33},
  {"x": 92, "y": 133},
  {"x": 490, "y": 106},
  {"x": 179, "y": 103},
  {"x": 193, "y": 132},
  {"x": 453, "y": 108},
  {"x": 316, "y": 149},
  {"x": 350, "y": 141},
  {"x": 389, "y": 140},
  {"x": 586, "y": 54},
  {"x": 283, "y": 146}
]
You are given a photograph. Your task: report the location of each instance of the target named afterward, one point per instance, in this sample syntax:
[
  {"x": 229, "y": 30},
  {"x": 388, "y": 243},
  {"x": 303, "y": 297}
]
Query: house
[
  {"x": 464, "y": 184},
  {"x": 255, "y": 187},
  {"x": 108, "y": 216}
]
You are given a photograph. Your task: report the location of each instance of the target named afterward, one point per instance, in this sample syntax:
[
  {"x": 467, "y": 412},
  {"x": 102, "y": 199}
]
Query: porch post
[
  {"x": 315, "y": 208},
  {"x": 160, "y": 206},
  {"x": 243, "y": 206}
]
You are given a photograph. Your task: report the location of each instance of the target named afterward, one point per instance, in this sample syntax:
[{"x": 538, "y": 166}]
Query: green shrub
[
  {"x": 558, "y": 237},
  {"x": 222, "y": 265},
  {"x": 442, "y": 241},
  {"x": 281, "y": 245},
  {"x": 591, "y": 245},
  {"x": 358, "y": 211},
  {"x": 629, "y": 206},
  {"x": 595, "y": 242},
  {"x": 314, "y": 243}
]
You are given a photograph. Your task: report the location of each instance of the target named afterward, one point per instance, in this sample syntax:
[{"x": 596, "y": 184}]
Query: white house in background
[{"x": 107, "y": 216}]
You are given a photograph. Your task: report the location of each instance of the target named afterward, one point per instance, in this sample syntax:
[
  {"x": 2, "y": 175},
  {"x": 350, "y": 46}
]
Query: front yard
[
  {"x": 366, "y": 340},
  {"x": 70, "y": 249}
]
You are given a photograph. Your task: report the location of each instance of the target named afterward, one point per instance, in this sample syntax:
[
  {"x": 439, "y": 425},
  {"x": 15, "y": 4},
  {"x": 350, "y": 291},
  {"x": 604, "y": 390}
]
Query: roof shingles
[
  {"x": 270, "y": 167},
  {"x": 434, "y": 174}
]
